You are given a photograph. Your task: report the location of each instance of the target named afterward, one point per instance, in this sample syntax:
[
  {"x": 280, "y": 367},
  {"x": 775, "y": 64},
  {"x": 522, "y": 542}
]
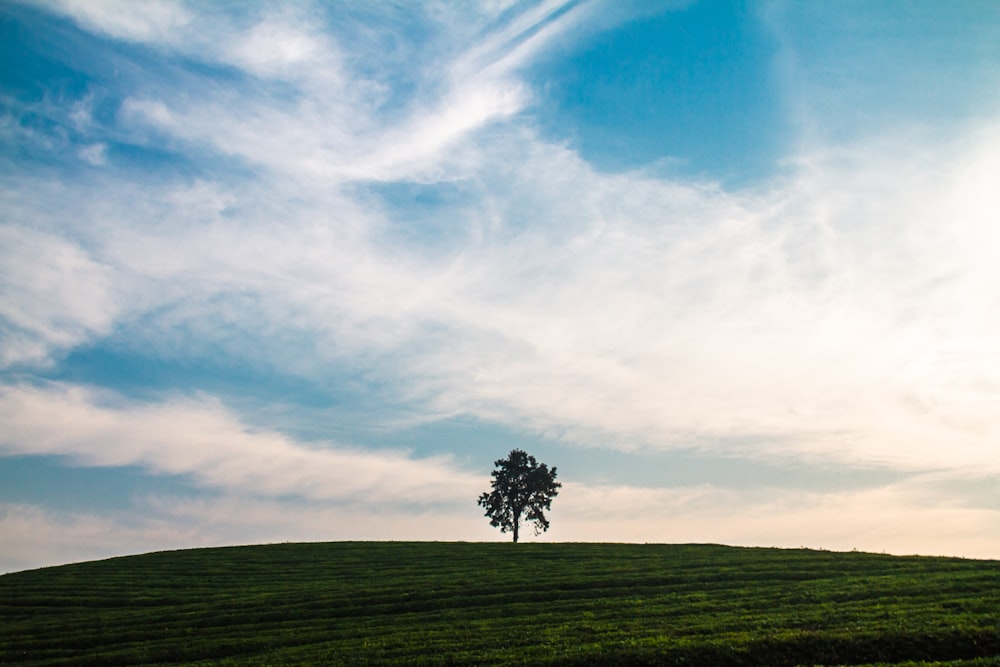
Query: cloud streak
[{"x": 198, "y": 437}]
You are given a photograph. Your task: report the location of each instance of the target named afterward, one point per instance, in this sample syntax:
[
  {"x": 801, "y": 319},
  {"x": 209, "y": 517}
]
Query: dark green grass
[{"x": 498, "y": 603}]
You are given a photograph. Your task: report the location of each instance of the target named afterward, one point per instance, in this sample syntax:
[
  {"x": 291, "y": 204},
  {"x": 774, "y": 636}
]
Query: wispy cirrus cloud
[
  {"x": 155, "y": 21},
  {"x": 322, "y": 121}
]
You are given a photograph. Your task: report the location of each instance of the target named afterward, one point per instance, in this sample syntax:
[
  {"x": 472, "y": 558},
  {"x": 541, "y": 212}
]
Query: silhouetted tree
[{"x": 521, "y": 488}]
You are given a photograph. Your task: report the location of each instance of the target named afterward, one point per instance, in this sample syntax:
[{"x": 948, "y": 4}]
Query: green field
[{"x": 363, "y": 603}]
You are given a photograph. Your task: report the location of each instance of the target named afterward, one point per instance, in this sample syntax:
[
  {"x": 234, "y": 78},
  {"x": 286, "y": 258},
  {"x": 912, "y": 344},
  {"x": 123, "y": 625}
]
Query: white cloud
[
  {"x": 845, "y": 314},
  {"x": 510, "y": 45},
  {"x": 801, "y": 320},
  {"x": 279, "y": 43},
  {"x": 200, "y": 438},
  {"x": 53, "y": 296},
  {"x": 276, "y": 47},
  {"x": 324, "y": 123},
  {"x": 95, "y": 154},
  {"x": 151, "y": 20}
]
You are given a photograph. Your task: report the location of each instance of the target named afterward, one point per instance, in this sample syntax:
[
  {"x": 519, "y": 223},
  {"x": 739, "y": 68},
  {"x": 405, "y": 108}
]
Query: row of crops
[{"x": 501, "y": 603}]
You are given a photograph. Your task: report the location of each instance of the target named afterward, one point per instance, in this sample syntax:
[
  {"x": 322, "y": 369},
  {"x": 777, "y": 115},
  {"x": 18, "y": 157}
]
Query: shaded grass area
[{"x": 499, "y": 603}]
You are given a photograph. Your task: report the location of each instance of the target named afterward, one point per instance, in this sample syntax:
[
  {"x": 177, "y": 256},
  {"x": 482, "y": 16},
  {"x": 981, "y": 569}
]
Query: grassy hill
[{"x": 500, "y": 603}]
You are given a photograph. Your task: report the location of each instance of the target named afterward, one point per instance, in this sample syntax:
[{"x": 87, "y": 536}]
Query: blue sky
[{"x": 303, "y": 271}]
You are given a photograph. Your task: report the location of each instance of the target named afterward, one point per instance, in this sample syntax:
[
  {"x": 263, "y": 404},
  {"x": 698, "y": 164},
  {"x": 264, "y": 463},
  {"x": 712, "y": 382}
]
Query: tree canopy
[{"x": 522, "y": 488}]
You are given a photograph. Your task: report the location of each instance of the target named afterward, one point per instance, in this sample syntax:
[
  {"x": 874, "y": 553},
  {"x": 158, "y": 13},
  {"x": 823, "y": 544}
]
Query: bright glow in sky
[{"x": 303, "y": 271}]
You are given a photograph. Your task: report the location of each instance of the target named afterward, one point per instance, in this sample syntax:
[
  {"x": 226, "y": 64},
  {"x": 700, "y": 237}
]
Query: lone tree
[{"x": 521, "y": 488}]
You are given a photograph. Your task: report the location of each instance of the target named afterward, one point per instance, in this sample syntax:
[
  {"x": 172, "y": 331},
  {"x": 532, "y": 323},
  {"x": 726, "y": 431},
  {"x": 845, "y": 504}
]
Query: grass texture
[{"x": 376, "y": 603}]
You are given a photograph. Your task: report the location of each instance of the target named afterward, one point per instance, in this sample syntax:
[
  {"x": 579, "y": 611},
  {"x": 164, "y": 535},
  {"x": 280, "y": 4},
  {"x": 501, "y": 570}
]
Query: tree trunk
[{"x": 515, "y": 530}]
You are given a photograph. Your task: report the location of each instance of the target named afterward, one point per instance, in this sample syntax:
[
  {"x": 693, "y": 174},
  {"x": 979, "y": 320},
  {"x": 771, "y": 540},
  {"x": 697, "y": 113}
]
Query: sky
[{"x": 303, "y": 271}]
